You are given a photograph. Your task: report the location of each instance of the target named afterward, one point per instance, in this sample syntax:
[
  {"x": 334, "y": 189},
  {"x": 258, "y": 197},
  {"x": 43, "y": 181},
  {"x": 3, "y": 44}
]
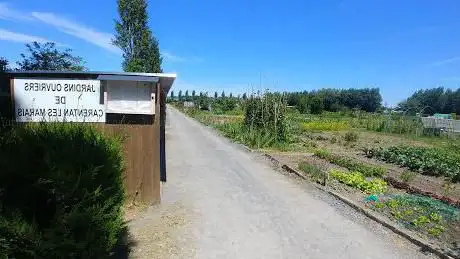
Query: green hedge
[{"x": 61, "y": 192}]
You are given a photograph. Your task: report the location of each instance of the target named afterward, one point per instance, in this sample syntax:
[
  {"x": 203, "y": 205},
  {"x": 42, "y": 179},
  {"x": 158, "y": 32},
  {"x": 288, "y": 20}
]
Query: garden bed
[
  {"x": 443, "y": 231},
  {"x": 438, "y": 186}
]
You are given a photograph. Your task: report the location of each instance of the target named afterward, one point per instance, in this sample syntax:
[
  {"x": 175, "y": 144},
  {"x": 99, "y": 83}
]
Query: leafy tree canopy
[
  {"x": 45, "y": 56},
  {"x": 3, "y": 64}
]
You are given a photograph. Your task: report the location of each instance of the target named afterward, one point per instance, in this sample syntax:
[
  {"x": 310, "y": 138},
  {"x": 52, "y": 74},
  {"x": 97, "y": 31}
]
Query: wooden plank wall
[
  {"x": 139, "y": 152},
  {"x": 142, "y": 157}
]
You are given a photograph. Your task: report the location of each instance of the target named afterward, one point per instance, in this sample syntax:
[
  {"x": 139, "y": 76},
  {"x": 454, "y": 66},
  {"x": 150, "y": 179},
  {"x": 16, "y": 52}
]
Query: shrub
[
  {"x": 350, "y": 136},
  {"x": 61, "y": 192},
  {"x": 357, "y": 180},
  {"x": 350, "y": 163}
]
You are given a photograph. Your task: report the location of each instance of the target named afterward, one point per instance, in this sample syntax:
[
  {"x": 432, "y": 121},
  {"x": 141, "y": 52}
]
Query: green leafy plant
[
  {"x": 380, "y": 205},
  {"x": 436, "y": 230},
  {"x": 431, "y": 161},
  {"x": 393, "y": 204},
  {"x": 351, "y": 164},
  {"x": 357, "y": 180},
  {"x": 421, "y": 220},
  {"x": 419, "y": 213},
  {"x": 435, "y": 217}
]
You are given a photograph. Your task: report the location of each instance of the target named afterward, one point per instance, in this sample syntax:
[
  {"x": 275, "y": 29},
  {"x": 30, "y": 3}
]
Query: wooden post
[
  {"x": 13, "y": 108},
  {"x": 162, "y": 137},
  {"x": 150, "y": 189}
]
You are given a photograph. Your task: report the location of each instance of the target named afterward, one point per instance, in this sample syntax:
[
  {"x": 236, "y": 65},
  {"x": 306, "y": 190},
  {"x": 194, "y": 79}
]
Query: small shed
[{"x": 132, "y": 103}]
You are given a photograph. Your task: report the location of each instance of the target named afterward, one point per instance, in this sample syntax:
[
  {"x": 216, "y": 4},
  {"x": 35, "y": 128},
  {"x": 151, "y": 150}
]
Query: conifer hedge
[{"x": 61, "y": 191}]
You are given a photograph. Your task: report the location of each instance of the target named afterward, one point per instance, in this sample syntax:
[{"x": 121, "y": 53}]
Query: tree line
[
  {"x": 367, "y": 99},
  {"x": 192, "y": 96},
  {"x": 430, "y": 101},
  {"x": 218, "y": 102}
]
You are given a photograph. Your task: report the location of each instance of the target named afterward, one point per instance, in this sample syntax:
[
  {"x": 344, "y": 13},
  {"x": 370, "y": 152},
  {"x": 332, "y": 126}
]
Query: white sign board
[
  {"x": 130, "y": 97},
  {"x": 60, "y": 100}
]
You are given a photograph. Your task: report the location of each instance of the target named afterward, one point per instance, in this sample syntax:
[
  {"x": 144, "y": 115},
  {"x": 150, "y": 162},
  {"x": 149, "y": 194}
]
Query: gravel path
[{"x": 223, "y": 202}]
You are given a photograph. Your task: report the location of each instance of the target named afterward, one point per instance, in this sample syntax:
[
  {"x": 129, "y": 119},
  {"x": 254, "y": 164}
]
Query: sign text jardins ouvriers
[{"x": 58, "y": 100}]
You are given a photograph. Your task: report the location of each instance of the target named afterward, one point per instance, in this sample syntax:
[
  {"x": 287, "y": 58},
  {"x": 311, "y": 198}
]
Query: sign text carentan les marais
[{"x": 61, "y": 100}]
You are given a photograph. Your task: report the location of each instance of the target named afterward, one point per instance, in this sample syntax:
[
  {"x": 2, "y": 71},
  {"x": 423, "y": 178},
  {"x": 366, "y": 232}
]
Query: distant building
[{"x": 188, "y": 104}]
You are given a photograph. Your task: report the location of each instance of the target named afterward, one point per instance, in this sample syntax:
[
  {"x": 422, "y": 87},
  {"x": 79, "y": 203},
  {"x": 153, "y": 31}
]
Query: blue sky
[{"x": 239, "y": 45}]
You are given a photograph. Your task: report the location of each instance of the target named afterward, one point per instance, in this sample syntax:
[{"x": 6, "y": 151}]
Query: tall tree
[
  {"x": 133, "y": 36},
  {"x": 316, "y": 105},
  {"x": 216, "y": 95},
  {"x": 430, "y": 101},
  {"x": 180, "y": 95},
  {"x": 45, "y": 56},
  {"x": 231, "y": 95},
  {"x": 223, "y": 94},
  {"x": 3, "y": 64},
  {"x": 172, "y": 95},
  {"x": 245, "y": 96},
  {"x": 193, "y": 94},
  {"x": 187, "y": 98}
]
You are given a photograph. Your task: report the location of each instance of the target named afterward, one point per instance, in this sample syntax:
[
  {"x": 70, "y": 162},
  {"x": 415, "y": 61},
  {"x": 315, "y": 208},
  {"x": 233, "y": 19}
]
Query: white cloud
[
  {"x": 172, "y": 58},
  {"x": 444, "y": 62},
  {"x": 101, "y": 39},
  {"x": 169, "y": 57},
  {"x": 19, "y": 37},
  {"x": 75, "y": 29},
  {"x": 7, "y": 13}
]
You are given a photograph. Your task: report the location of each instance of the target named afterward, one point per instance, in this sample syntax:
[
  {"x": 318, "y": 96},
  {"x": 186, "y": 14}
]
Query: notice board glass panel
[
  {"x": 144, "y": 100},
  {"x": 129, "y": 97}
]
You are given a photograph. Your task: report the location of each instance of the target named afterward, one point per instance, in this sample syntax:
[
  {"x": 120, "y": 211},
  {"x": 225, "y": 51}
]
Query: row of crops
[
  {"x": 429, "y": 161},
  {"x": 430, "y": 217}
]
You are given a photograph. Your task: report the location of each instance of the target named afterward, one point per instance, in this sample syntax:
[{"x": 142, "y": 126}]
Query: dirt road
[{"x": 223, "y": 202}]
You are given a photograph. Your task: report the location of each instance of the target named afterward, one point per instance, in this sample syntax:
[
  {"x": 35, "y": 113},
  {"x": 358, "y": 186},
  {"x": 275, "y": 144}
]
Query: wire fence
[{"x": 443, "y": 124}]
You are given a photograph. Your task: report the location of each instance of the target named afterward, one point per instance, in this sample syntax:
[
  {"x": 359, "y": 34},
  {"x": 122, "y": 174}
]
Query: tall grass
[
  {"x": 263, "y": 124},
  {"x": 398, "y": 124},
  {"x": 265, "y": 114}
]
